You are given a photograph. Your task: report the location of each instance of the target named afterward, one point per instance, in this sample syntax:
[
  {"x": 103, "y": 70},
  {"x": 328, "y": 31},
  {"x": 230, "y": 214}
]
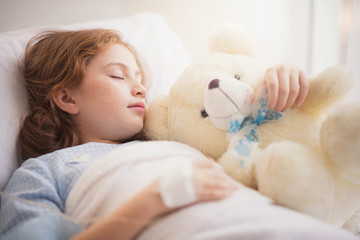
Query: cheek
[{"x": 110, "y": 93}]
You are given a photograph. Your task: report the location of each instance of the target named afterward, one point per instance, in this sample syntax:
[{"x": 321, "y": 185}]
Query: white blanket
[{"x": 127, "y": 170}]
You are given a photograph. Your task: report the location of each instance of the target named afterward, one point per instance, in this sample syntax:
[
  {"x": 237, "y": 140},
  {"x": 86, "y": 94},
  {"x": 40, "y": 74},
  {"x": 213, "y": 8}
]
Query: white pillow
[{"x": 156, "y": 43}]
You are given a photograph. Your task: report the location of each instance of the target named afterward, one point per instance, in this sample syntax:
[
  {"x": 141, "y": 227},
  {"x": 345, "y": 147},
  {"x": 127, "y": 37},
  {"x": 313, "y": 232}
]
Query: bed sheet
[{"x": 245, "y": 215}]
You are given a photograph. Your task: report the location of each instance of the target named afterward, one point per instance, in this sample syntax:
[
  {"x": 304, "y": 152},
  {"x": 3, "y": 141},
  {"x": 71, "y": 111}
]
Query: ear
[
  {"x": 65, "y": 101},
  {"x": 156, "y": 119},
  {"x": 232, "y": 39}
]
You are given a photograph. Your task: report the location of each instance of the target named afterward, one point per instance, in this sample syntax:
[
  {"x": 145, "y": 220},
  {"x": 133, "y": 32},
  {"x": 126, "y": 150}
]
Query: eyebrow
[{"x": 137, "y": 73}]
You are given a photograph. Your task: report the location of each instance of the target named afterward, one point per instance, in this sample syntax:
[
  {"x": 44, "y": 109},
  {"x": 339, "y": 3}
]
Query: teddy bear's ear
[
  {"x": 156, "y": 119},
  {"x": 232, "y": 39}
]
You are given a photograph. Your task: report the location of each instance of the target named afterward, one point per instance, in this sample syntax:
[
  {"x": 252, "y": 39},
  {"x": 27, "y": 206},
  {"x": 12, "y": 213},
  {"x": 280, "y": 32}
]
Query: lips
[{"x": 140, "y": 106}]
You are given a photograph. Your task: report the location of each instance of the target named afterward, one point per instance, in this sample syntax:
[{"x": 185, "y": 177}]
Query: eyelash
[{"x": 117, "y": 77}]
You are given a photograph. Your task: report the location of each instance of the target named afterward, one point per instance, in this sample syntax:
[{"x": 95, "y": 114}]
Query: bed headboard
[{"x": 157, "y": 45}]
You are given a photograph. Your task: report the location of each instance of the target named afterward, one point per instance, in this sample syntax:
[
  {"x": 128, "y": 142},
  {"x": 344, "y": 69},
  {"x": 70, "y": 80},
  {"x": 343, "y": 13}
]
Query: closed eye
[{"x": 116, "y": 77}]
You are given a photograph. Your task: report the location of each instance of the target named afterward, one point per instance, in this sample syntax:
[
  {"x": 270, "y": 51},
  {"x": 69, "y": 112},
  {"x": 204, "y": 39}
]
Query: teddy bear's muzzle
[{"x": 224, "y": 98}]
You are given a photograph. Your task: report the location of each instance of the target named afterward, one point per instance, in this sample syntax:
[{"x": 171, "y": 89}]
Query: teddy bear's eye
[
  {"x": 204, "y": 113},
  {"x": 237, "y": 77}
]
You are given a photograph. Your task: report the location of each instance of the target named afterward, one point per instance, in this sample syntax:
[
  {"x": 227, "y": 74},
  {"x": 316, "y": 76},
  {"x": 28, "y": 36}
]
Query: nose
[
  {"x": 214, "y": 83},
  {"x": 139, "y": 90}
]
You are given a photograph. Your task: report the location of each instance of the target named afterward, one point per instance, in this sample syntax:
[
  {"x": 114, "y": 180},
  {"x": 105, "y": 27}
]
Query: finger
[
  {"x": 271, "y": 80},
  {"x": 213, "y": 178},
  {"x": 219, "y": 183},
  {"x": 209, "y": 195},
  {"x": 204, "y": 163},
  {"x": 283, "y": 94},
  {"x": 204, "y": 175},
  {"x": 304, "y": 89},
  {"x": 293, "y": 90}
]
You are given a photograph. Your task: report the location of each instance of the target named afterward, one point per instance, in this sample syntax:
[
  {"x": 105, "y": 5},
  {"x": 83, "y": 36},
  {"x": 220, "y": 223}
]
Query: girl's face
[{"x": 110, "y": 98}]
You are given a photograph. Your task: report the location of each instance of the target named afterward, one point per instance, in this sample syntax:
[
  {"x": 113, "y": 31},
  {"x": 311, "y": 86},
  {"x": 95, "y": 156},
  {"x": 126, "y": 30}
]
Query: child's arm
[
  {"x": 287, "y": 85},
  {"x": 127, "y": 221}
]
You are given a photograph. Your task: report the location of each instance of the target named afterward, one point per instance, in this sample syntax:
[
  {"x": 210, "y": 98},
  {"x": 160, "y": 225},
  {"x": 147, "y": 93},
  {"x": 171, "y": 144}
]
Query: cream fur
[{"x": 302, "y": 161}]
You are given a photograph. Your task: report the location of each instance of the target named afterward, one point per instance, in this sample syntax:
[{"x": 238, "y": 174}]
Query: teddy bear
[{"x": 306, "y": 159}]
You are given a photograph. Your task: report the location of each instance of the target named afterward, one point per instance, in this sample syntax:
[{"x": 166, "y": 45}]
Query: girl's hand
[
  {"x": 192, "y": 182},
  {"x": 287, "y": 85},
  {"x": 210, "y": 182}
]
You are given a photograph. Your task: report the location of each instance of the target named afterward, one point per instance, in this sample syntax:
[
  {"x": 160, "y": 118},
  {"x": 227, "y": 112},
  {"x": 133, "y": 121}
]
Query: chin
[
  {"x": 137, "y": 136},
  {"x": 137, "y": 133}
]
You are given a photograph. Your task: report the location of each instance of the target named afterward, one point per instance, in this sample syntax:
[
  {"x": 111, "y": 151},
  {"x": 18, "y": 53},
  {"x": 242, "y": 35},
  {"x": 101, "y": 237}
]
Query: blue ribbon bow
[{"x": 246, "y": 131}]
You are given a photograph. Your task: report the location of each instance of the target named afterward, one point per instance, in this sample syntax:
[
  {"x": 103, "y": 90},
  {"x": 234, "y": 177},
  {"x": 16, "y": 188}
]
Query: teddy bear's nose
[{"x": 214, "y": 83}]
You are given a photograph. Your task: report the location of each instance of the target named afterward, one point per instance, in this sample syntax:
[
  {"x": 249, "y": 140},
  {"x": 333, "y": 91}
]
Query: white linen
[
  {"x": 245, "y": 215},
  {"x": 117, "y": 177}
]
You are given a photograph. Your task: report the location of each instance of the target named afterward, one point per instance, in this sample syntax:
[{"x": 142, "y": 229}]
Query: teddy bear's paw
[
  {"x": 340, "y": 140},
  {"x": 296, "y": 177},
  {"x": 326, "y": 89}
]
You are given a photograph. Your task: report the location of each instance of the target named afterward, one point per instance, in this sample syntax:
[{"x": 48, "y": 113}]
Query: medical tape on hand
[{"x": 176, "y": 185}]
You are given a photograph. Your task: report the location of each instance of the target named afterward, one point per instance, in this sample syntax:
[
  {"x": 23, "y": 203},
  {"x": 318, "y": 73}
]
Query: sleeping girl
[{"x": 87, "y": 175}]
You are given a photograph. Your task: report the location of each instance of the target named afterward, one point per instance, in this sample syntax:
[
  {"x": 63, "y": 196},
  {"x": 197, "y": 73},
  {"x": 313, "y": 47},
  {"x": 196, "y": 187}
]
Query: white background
[{"x": 313, "y": 34}]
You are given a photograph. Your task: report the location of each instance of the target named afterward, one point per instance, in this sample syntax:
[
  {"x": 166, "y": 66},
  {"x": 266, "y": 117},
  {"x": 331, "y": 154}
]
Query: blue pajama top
[{"x": 33, "y": 203}]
